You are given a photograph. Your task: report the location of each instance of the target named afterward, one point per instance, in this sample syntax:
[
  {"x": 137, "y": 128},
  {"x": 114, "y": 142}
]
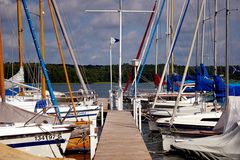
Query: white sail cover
[
  {"x": 9, "y": 113},
  {"x": 224, "y": 146},
  {"x": 230, "y": 115},
  {"x": 18, "y": 78}
]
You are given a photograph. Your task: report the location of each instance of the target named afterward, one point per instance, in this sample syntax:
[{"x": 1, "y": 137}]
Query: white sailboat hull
[
  {"x": 45, "y": 141},
  {"x": 84, "y": 112},
  {"x": 188, "y": 124},
  {"x": 192, "y": 122}
]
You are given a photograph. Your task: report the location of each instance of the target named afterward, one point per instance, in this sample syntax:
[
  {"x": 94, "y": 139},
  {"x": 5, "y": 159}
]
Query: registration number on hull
[{"x": 48, "y": 137}]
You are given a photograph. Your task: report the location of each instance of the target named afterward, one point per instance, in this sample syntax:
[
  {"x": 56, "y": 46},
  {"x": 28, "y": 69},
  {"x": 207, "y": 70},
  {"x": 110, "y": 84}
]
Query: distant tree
[{"x": 101, "y": 73}]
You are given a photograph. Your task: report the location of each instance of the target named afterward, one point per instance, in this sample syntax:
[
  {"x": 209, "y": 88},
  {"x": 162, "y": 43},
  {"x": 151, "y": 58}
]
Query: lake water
[
  {"x": 100, "y": 88},
  {"x": 152, "y": 140}
]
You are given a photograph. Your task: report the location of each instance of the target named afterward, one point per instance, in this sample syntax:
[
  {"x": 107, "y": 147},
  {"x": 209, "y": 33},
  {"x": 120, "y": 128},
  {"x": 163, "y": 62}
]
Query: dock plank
[
  {"x": 120, "y": 139},
  {"x": 8, "y": 153}
]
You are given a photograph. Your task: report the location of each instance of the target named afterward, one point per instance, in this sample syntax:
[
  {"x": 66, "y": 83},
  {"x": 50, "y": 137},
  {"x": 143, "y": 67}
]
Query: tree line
[{"x": 101, "y": 73}]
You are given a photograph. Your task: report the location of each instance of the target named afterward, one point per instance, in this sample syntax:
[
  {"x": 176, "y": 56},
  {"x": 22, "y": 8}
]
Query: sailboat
[
  {"x": 203, "y": 123},
  {"x": 65, "y": 113},
  {"x": 165, "y": 102},
  {"x": 39, "y": 134},
  {"x": 33, "y": 101},
  {"x": 225, "y": 145},
  {"x": 28, "y": 131}
]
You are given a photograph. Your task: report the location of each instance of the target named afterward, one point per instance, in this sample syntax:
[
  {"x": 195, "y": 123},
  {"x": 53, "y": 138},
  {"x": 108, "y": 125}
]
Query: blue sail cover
[
  {"x": 202, "y": 80},
  {"x": 178, "y": 78},
  {"x": 169, "y": 84},
  {"x": 175, "y": 83},
  {"x": 220, "y": 89},
  {"x": 12, "y": 91},
  {"x": 203, "y": 71},
  {"x": 203, "y": 83},
  {"x": 234, "y": 89},
  {"x": 42, "y": 103},
  {"x": 219, "y": 86}
]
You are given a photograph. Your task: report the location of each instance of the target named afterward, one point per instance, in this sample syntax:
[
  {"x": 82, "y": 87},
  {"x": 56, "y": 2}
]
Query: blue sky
[{"x": 90, "y": 32}]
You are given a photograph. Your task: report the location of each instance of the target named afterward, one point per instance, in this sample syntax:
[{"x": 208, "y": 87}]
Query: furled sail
[{"x": 18, "y": 78}]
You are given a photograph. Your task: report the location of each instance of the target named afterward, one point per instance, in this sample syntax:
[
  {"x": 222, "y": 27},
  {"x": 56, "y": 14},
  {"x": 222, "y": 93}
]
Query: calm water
[
  {"x": 152, "y": 140},
  {"x": 100, "y": 88}
]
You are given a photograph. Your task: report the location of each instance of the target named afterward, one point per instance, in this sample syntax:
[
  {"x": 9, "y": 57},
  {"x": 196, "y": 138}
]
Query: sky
[{"x": 90, "y": 32}]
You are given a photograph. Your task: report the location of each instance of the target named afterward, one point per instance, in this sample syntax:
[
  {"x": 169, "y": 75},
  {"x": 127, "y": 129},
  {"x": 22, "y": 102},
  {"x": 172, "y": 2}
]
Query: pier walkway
[{"x": 120, "y": 139}]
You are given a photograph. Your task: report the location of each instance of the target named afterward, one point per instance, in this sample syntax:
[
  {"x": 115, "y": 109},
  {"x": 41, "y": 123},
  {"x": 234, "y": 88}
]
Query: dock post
[
  {"x": 101, "y": 114},
  {"x": 93, "y": 138},
  {"x": 134, "y": 109},
  {"x": 135, "y": 63},
  {"x": 140, "y": 115},
  {"x": 136, "y": 106},
  {"x": 111, "y": 99}
]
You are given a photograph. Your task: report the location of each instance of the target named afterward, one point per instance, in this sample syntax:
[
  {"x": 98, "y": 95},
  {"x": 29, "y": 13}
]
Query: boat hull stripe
[{"x": 37, "y": 143}]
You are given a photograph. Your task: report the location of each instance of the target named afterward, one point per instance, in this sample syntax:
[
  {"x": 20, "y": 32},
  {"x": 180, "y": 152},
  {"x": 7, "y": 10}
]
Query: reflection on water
[
  {"x": 153, "y": 141},
  {"x": 79, "y": 156}
]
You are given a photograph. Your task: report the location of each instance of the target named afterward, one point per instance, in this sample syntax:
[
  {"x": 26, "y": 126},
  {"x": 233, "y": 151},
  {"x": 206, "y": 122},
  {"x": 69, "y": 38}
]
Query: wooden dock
[
  {"x": 120, "y": 139},
  {"x": 8, "y": 153}
]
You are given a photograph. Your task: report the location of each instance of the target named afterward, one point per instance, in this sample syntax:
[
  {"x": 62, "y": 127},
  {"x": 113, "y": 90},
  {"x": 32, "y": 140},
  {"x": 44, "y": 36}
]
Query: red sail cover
[{"x": 157, "y": 80}]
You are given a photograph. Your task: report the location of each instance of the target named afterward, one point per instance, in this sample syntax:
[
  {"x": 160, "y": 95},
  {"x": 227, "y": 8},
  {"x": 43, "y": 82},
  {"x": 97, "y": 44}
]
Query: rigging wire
[
  {"x": 12, "y": 40},
  {"x": 76, "y": 48},
  {"x": 182, "y": 44}
]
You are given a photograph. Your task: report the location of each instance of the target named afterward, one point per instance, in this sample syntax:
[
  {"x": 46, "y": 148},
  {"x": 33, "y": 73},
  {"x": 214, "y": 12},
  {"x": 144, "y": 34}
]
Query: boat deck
[
  {"x": 121, "y": 139},
  {"x": 8, "y": 153}
]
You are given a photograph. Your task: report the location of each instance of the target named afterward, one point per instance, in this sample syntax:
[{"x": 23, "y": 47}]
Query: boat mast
[
  {"x": 196, "y": 65},
  {"x": 41, "y": 14},
  {"x": 141, "y": 47},
  {"x": 178, "y": 28},
  {"x": 215, "y": 37},
  {"x": 150, "y": 39},
  {"x": 20, "y": 44},
  {"x": 120, "y": 11},
  {"x": 197, "y": 40},
  {"x": 151, "y": 29},
  {"x": 172, "y": 35},
  {"x": 62, "y": 57},
  {"x": 120, "y": 58},
  {"x": 2, "y": 90},
  {"x": 156, "y": 50},
  {"x": 49, "y": 86},
  {"x": 226, "y": 52},
  {"x": 188, "y": 62},
  {"x": 168, "y": 34},
  {"x": 156, "y": 41},
  {"x": 59, "y": 18},
  {"x": 203, "y": 33}
]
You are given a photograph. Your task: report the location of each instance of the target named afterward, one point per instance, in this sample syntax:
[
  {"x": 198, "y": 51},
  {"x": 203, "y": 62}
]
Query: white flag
[{"x": 113, "y": 40}]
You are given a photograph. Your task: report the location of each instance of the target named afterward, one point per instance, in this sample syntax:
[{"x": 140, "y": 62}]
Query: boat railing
[
  {"x": 159, "y": 109},
  {"x": 91, "y": 93},
  {"x": 141, "y": 92},
  {"x": 6, "y": 124}
]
